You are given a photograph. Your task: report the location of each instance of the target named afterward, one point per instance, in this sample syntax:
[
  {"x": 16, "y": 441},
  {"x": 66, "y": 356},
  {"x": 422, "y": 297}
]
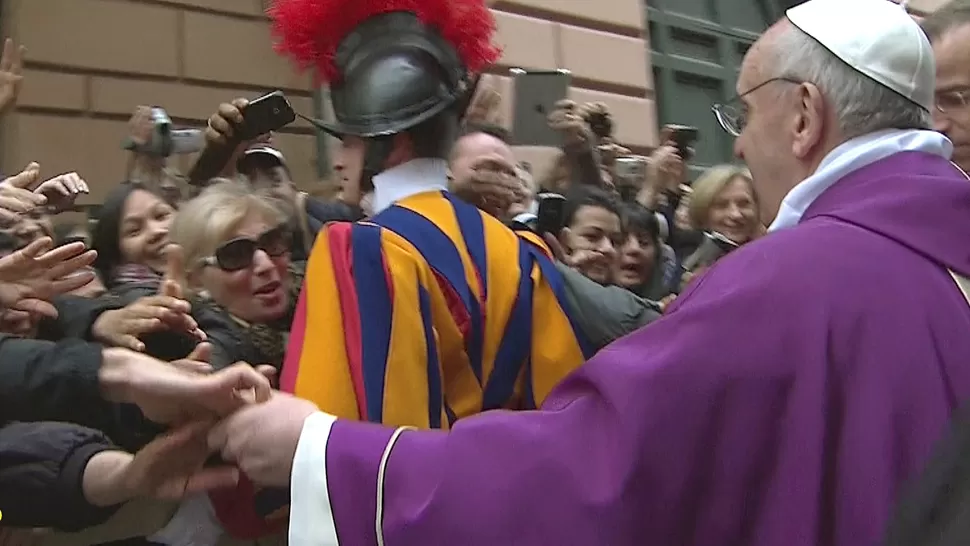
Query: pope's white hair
[{"x": 861, "y": 105}]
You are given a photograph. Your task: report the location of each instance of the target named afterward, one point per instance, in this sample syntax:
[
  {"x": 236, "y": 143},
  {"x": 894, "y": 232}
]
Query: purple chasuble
[{"x": 784, "y": 400}]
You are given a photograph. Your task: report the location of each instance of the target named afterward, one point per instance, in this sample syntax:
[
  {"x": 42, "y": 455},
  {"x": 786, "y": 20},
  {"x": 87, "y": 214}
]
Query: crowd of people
[{"x": 752, "y": 345}]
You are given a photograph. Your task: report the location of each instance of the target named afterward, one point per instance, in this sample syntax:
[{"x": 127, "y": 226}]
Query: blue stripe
[
  {"x": 555, "y": 280},
  {"x": 434, "y": 373},
  {"x": 472, "y": 226},
  {"x": 442, "y": 256},
  {"x": 529, "y": 394},
  {"x": 516, "y": 346},
  {"x": 375, "y": 309}
]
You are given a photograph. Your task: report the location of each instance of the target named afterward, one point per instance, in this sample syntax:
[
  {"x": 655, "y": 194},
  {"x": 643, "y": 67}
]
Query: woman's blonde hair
[
  {"x": 707, "y": 188},
  {"x": 208, "y": 220}
]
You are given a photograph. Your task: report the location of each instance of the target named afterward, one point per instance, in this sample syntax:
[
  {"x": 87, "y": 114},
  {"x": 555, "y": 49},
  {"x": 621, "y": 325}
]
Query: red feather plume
[{"x": 309, "y": 31}]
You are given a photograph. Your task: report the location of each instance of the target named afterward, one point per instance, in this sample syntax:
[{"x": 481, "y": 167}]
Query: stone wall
[{"x": 90, "y": 62}]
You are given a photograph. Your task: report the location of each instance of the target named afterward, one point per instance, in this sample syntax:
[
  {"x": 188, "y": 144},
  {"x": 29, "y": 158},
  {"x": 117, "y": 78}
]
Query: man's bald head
[{"x": 482, "y": 138}]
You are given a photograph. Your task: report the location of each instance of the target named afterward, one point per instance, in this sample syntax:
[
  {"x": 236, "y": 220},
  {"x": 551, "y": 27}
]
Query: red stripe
[
  {"x": 460, "y": 315},
  {"x": 340, "y": 254},
  {"x": 294, "y": 347}
]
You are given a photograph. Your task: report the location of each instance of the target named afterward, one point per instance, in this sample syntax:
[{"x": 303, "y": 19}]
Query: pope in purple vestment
[{"x": 785, "y": 399}]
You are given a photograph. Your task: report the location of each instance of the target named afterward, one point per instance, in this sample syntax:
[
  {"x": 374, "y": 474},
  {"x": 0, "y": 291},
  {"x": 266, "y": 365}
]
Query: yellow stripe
[
  {"x": 555, "y": 350},
  {"x": 324, "y": 372},
  {"x": 503, "y": 287},
  {"x": 406, "y": 375}
]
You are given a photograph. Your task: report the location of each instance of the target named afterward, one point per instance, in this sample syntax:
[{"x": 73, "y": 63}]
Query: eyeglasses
[
  {"x": 238, "y": 254},
  {"x": 732, "y": 116},
  {"x": 949, "y": 102}
]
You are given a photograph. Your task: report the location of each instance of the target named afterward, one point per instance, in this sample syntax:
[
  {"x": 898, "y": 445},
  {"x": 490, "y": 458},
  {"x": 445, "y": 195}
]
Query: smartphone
[
  {"x": 535, "y": 97},
  {"x": 265, "y": 114},
  {"x": 713, "y": 247},
  {"x": 684, "y": 138},
  {"x": 552, "y": 213}
]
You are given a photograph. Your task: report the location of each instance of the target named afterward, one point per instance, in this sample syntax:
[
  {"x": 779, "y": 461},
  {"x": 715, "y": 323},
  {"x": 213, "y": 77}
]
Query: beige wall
[
  {"x": 602, "y": 43},
  {"x": 90, "y": 62}
]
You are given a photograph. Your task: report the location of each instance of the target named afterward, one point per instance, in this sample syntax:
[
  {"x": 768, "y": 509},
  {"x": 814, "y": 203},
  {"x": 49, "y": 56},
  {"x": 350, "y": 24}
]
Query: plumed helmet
[{"x": 390, "y": 64}]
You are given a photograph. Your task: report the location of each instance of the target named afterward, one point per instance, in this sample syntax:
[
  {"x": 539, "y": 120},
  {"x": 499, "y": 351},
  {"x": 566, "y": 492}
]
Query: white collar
[
  {"x": 411, "y": 178},
  {"x": 851, "y": 156}
]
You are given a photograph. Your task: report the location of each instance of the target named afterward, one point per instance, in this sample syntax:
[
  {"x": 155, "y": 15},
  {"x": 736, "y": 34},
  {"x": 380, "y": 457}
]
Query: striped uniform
[{"x": 430, "y": 312}]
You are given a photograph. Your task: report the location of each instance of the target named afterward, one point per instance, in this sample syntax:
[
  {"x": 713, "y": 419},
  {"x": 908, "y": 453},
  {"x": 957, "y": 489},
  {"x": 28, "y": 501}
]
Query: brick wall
[
  {"x": 90, "y": 62},
  {"x": 602, "y": 43}
]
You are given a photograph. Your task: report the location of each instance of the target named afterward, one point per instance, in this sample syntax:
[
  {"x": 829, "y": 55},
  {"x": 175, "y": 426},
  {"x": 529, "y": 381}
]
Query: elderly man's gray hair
[{"x": 861, "y": 104}]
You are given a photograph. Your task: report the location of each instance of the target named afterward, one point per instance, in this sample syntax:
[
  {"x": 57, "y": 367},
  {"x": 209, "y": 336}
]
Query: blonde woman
[
  {"x": 724, "y": 200},
  {"x": 236, "y": 248},
  {"x": 235, "y": 245}
]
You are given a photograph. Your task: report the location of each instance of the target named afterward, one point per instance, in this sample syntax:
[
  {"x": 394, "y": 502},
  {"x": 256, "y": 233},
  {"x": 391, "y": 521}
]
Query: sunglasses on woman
[{"x": 238, "y": 254}]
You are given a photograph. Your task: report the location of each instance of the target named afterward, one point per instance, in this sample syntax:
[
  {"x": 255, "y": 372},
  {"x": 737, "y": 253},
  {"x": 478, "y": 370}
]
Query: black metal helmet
[
  {"x": 396, "y": 74},
  {"x": 391, "y": 64}
]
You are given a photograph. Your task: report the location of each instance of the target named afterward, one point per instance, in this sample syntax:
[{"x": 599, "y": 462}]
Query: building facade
[{"x": 91, "y": 62}]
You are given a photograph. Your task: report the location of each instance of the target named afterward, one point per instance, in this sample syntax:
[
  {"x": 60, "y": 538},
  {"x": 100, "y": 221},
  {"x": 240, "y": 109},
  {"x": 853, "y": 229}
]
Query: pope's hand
[{"x": 261, "y": 439}]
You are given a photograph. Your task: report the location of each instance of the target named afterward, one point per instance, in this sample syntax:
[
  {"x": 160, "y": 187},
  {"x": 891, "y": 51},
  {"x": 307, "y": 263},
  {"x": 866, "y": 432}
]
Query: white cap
[{"x": 877, "y": 38}]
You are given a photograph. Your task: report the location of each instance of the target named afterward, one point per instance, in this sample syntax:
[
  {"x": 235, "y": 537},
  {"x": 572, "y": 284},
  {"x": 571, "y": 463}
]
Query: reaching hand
[
  {"x": 664, "y": 304},
  {"x": 11, "y": 74},
  {"x": 61, "y": 191},
  {"x": 170, "y": 467},
  {"x": 166, "y": 311},
  {"x": 491, "y": 184},
  {"x": 140, "y": 127},
  {"x": 17, "y": 196},
  {"x": 198, "y": 360},
  {"x": 170, "y": 393},
  {"x": 31, "y": 276},
  {"x": 568, "y": 120},
  {"x": 484, "y": 107},
  {"x": 173, "y": 278},
  {"x": 123, "y": 327},
  {"x": 665, "y": 167},
  {"x": 575, "y": 259}
]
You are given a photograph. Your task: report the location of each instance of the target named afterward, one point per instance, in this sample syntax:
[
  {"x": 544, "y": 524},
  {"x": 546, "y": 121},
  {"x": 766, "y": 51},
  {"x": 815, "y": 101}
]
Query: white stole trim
[
  {"x": 851, "y": 156},
  {"x": 311, "y": 513}
]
